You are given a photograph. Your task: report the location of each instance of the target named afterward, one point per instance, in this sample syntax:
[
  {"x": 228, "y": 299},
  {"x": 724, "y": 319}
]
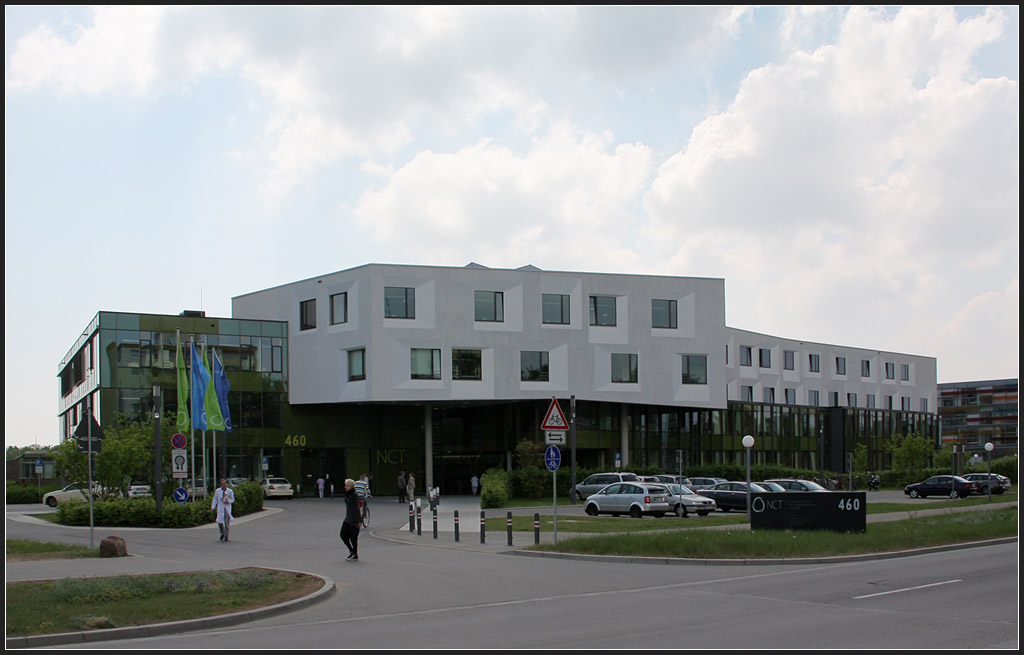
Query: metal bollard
[
  {"x": 456, "y": 526},
  {"x": 419, "y": 520},
  {"x": 434, "y": 512},
  {"x": 509, "y": 523},
  {"x": 412, "y": 517},
  {"x": 536, "y": 528},
  {"x": 483, "y": 522}
]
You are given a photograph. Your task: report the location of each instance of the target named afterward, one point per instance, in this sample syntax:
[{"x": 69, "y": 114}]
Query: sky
[{"x": 851, "y": 172}]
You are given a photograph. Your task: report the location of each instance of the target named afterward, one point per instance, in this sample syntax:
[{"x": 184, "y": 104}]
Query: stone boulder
[{"x": 113, "y": 547}]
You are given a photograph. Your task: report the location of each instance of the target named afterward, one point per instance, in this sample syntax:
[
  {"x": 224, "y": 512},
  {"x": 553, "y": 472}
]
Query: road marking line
[{"x": 896, "y": 591}]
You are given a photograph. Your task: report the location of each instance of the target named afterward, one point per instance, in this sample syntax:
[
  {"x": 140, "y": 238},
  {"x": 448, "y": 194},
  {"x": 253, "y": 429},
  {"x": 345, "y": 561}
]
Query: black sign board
[
  {"x": 839, "y": 511},
  {"x": 83, "y": 433}
]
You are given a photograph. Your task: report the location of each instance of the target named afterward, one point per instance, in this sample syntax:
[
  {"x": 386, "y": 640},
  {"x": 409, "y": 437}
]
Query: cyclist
[{"x": 362, "y": 486}]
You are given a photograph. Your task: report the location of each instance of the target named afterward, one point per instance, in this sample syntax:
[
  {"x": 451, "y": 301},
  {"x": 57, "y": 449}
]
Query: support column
[
  {"x": 428, "y": 446},
  {"x": 624, "y": 434}
]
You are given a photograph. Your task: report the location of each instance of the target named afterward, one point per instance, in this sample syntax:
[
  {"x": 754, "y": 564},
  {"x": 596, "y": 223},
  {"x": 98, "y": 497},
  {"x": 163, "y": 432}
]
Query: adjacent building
[{"x": 979, "y": 412}]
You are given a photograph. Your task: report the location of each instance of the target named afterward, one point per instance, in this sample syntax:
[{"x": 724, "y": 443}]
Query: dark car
[
  {"x": 999, "y": 483},
  {"x": 941, "y": 485},
  {"x": 703, "y": 483},
  {"x": 730, "y": 495}
]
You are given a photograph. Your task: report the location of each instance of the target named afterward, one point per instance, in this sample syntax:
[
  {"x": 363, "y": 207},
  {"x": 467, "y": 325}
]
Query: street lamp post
[
  {"x": 748, "y": 442},
  {"x": 988, "y": 453}
]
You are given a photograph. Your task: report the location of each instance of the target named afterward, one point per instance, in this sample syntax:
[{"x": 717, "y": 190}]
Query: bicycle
[{"x": 365, "y": 511}]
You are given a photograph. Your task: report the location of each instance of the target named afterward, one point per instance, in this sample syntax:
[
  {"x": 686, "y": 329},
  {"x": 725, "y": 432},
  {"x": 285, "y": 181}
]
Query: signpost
[
  {"x": 553, "y": 459},
  {"x": 180, "y": 495},
  {"x": 179, "y": 463}
]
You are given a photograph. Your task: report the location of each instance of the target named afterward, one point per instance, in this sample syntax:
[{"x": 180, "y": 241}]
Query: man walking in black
[{"x": 353, "y": 519}]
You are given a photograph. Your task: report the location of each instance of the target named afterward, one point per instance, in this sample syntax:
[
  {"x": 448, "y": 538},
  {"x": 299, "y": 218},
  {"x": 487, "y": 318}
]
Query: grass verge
[
  {"x": 960, "y": 527},
  {"x": 601, "y": 524},
  {"x": 75, "y": 604},
  {"x": 20, "y": 550}
]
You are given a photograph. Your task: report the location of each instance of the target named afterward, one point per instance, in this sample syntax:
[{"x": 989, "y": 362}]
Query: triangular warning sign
[{"x": 554, "y": 419}]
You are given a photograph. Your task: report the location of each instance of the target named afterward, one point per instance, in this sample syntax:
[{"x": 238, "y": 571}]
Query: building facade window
[
  {"x": 871, "y": 401},
  {"x": 813, "y": 363},
  {"x": 555, "y": 308},
  {"x": 769, "y": 394},
  {"x": 764, "y": 357},
  {"x": 865, "y": 368},
  {"x": 467, "y": 364},
  {"x": 399, "y": 302},
  {"x": 790, "y": 396},
  {"x": 695, "y": 369},
  {"x": 905, "y": 403},
  {"x": 833, "y": 399},
  {"x": 888, "y": 402},
  {"x": 924, "y": 404},
  {"x": 905, "y": 372},
  {"x": 339, "y": 308},
  {"x": 602, "y": 310},
  {"x": 426, "y": 363},
  {"x": 746, "y": 356},
  {"x": 789, "y": 360},
  {"x": 533, "y": 366},
  {"x": 851, "y": 400},
  {"x": 890, "y": 371},
  {"x": 664, "y": 314},
  {"x": 746, "y": 393},
  {"x": 307, "y": 314},
  {"x": 489, "y": 306},
  {"x": 625, "y": 367},
  {"x": 813, "y": 398},
  {"x": 840, "y": 366},
  {"x": 357, "y": 364}
]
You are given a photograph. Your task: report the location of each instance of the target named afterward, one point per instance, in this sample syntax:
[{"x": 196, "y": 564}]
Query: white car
[
  {"x": 684, "y": 501},
  {"x": 277, "y": 488},
  {"x": 139, "y": 489},
  {"x": 633, "y": 498},
  {"x": 74, "y": 491}
]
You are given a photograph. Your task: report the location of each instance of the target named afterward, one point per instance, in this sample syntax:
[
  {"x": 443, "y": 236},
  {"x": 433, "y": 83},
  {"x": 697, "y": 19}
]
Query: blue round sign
[
  {"x": 180, "y": 495},
  {"x": 552, "y": 458}
]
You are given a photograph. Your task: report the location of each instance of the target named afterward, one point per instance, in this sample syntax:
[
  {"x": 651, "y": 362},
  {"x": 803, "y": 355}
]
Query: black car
[
  {"x": 942, "y": 485},
  {"x": 730, "y": 495}
]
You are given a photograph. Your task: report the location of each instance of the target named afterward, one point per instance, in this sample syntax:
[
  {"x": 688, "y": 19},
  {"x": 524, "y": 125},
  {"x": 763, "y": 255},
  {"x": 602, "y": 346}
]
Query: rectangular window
[
  {"x": 905, "y": 372},
  {"x": 466, "y": 364},
  {"x": 663, "y": 314},
  {"x": 555, "y": 309},
  {"x": 924, "y": 404},
  {"x": 790, "y": 396},
  {"x": 746, "y": 393},
  {"x": 357, "y": 364},
  {"x": 812, "y": 398},
  {"x": 905, "y": 403},
  {"x": 890, "y": 371},
  {"x": 339, "y": 308},
  {"x": 769, "y": 394},
  {"x": 813, "y": 363},
  {"x": 764, "y": 357},
  {"x": 871, "y": 401},
  {"x": 888, "y": 402},
  {"x": 399, "y": 302},
  {"x": 489, "y": 306},
  {"x": 833, "y": 399},
  {"x": 851, "y": 400},
  {"x": 695, "y": 369},
  {"x": 533, "y": 366},
  {"x": 426, "y": 363},
  {"x": 746, "y": 356},
  {"x": 625, "y": 367},
  {"x": 865, "y": 368},
  {"x": 840, "y": 366},
  {"x": 789, "y": 360},
  {"x": 602, "y": 310},
  {"x": 307, "y": 314}
]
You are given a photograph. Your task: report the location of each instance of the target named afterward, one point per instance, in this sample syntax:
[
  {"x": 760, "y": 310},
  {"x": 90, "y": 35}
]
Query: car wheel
[
  {"x": 636, "y": 512},
  {"x": 579, "y": 496},
  {"x": 983, "y": 491},
  {"x": 51, "y": 501},
  {"x": 914, "y": 493},
  {"x": 591, "y": 509},
  {"x": 681, "y": 511},
  {"x": 954, "y": 494}
]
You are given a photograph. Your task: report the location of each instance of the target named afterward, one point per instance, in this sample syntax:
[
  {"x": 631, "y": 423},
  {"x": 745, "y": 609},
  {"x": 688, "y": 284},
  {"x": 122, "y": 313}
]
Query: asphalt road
[{"x": 417, "y": 592}]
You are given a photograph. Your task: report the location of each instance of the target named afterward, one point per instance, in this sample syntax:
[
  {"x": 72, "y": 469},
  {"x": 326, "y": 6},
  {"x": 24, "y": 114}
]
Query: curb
[{"x": 172, "y": 627}]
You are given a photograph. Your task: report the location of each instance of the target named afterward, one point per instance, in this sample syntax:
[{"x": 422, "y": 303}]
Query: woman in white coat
[{"x": 223, "y": 498}]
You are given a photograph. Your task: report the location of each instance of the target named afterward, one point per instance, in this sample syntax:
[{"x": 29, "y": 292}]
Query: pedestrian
[
  {"x": 474, "y": 482},
  {"x": 223, "y": 498},
  {"x": 350, "y": 526},
  {"x": 320, "y": 486},
  {"x": 410, "y": 488},
  {"x": 401, "y": 486},
  {"x": 363, "y": 489}
]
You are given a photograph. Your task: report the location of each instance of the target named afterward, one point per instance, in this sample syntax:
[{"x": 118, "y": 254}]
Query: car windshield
[
  {"x": 629, "y": 477},
  {"x": 277, "y": 481},
  {"x": 813, "y": 486}
]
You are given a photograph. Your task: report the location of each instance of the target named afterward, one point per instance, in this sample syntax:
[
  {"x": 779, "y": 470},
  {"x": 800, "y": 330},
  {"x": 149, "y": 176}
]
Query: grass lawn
[
  {"x": 608, "y": 524},
  {"x": 888, "y": 536},
  {"x": 75, "y": 604},
  {"x": 20, "y": 550}
]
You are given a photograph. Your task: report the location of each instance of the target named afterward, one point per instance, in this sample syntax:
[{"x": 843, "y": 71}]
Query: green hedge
[
  {"x": 495, "y": 488},
  {"x": 23, "y": 494}
]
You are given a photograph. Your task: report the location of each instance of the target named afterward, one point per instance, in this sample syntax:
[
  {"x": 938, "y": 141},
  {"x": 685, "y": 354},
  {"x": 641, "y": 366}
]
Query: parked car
[
  {"x": 139, "y": 489},
  {"x": 74, "y": 491},
  {"x": 794, "y": 484},
  {"x": 703, "y": 483},
  {"x": 730, "y": 495},
  {"x": 199, "y": 491},
  {"x": 941, "y": 485},
  {"x": 633, "y": 498},
  {"x": 999, "y": 483},
  {"x": 771, "y": 486},
  {"x": 599, "y": 481},
  {"x": 684, "y": 501},
  {"x": 666, "y": 478},
  {"x": 234, "y": 482},
  {"x": 277, "y": 488}
]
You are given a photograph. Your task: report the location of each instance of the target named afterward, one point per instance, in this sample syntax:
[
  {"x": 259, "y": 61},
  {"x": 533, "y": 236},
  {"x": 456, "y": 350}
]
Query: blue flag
[
  {"x": 222, "y": 386},
  {"x": 200, "y": 380}
]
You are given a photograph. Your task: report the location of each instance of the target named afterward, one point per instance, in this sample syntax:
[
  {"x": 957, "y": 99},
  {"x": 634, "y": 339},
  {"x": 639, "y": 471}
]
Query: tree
[
  {"x": 72, "y": 465},
  {"x": 860, "y": 458},
  {"x": 910, "y": 455},
  {"x": 943, "y": 457}
]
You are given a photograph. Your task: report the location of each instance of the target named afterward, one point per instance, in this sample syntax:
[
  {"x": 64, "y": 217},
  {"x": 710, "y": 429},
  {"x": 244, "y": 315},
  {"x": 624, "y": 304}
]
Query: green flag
[
  {"x": 214, "y": 417},
  {"x": 183, "y": 423}
]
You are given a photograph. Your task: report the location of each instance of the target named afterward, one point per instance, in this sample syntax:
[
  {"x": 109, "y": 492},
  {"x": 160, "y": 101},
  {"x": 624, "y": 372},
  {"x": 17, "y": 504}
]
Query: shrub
[
  {"x": 495, "y": 489},
  {"x": 26, "y": 494}
]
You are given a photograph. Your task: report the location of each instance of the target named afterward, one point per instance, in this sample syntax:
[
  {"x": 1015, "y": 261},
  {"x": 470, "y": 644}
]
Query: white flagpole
[{"x": 192, "y": 409}]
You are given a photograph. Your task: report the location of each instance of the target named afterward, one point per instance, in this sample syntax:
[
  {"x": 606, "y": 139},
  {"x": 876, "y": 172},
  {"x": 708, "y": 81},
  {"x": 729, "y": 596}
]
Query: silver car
[
  {"x": 633, "y": 498},
  {"x": 685, "y": 502},
  {"x": 793, "y": 484},
  {"x": 599, "y": 481},
  {"x": 703, "y": 483}
]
